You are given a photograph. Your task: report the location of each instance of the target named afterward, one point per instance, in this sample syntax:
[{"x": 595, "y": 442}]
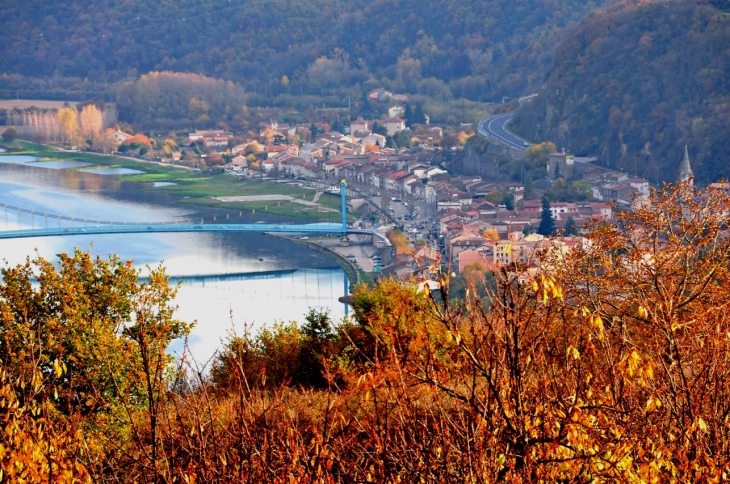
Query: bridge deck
[
  {"x": 316, "y": 229},
  {"x": 321, "y": 228}
]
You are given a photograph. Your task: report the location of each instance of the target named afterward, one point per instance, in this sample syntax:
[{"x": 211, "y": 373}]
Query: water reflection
[
  {"x": 17, "y": 159},
  {"x": 112, "y": 171},
  {"x": 218, "y": 288},
  {"x": 58, "y": 165}
]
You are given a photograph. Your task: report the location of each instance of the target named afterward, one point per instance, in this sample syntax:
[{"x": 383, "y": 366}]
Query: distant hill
[
  {"x": 634, "y": 83},
  {"x": 479, "y": 49}
]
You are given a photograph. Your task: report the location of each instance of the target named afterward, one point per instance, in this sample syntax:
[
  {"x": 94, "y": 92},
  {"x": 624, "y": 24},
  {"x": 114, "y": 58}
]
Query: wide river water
[{"x": 230, "y": 282}]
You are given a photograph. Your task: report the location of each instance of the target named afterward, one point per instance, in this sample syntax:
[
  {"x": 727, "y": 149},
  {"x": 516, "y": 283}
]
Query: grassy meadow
[{"x": 201, "y": 188}]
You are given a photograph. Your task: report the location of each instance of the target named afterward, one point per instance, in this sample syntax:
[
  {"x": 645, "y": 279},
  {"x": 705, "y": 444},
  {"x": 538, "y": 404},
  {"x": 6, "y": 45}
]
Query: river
[{"x": 230, "y": 282}]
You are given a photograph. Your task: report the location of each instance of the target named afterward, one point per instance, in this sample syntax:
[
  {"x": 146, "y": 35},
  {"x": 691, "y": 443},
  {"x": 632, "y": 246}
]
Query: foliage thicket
[
  {"x": 634, "y": 83},
  {"x": 478, "y": 50},
  {"x": 175, "y": 99},
  {"x": 574, "y": 191},
  {"x": 607, "y": 364}
]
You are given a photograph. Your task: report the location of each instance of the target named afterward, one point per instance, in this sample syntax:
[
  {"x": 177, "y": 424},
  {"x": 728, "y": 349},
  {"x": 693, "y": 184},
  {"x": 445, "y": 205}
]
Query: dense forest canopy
[
  {"x": 636, "y": 82},
  {"x": 480, "y": 50}
]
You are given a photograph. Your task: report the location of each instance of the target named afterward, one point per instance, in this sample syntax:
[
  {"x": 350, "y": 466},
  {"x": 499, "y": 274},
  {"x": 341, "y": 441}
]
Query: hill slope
[
  {"x": 478, "y": 49},
  {"x": 636, "y": 82}
]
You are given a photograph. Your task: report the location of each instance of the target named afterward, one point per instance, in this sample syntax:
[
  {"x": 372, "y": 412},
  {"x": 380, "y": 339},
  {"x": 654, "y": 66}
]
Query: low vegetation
[{"x": 611, "y": 367}]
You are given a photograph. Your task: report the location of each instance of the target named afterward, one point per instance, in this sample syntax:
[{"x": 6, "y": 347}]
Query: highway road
[{"x": 494, "y": 127}]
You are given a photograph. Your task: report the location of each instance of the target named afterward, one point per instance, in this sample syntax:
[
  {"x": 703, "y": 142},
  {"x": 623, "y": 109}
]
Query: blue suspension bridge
[{"x": 114, "y": 227}]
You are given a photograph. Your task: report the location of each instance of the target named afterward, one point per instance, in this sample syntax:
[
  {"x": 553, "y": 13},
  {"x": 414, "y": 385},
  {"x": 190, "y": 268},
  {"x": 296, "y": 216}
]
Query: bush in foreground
[{"x": 610, "y": 367}]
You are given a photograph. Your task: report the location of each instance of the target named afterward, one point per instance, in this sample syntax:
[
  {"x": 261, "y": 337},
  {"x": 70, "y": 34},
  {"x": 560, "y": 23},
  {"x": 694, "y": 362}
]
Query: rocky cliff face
[{"x": 479, "y": 158}]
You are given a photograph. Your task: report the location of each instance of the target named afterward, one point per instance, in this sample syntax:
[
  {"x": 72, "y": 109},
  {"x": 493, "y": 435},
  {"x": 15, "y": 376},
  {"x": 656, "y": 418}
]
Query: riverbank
[
  {"x": 355, "y": 275},
  {"x": 205, "y": 189}
]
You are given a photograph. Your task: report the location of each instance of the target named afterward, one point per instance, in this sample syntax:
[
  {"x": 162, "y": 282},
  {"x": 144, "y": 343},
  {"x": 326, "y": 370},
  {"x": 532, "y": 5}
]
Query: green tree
[
  {"x": 418, "y": 116},
  {"x": 529, "y": 187},
  {"x": 315, "y": 132},
  {"x": 402, "y": 139},
  {"x": 574, "y": 191},
  {"x": 547, "y": 224},
  {"x": 495, "y": 196},
  {"x": 408, "y": 115},
  {"x": 379, "y": 129},
  {"x": 570, "y": 228},
  {"x": 315, "y": 349},
  {"x": 88, "y": 341},
  {"x": 536, "y": 157},
  {"x": 508, "y": 199}
]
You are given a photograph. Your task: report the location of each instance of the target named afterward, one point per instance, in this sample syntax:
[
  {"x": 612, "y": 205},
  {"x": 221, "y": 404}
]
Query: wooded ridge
[
  {"x": 480, "y": 50},
  {"x": 634, "y": 83}
]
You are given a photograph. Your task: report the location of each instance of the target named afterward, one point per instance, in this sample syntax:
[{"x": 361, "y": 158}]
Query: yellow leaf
[
  {"x": 57, "y": 368},
  {"x": 652, "y": 404},
  {"x": 701, "y": 424},
  {"x": 573, "y": 351}
]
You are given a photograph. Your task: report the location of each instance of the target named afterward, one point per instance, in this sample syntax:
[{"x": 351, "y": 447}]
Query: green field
[{"x": 200, "y": 188}]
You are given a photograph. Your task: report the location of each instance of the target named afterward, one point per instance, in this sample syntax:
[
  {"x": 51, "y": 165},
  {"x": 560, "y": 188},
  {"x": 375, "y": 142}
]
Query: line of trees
[{"x": 77, "y": 125}]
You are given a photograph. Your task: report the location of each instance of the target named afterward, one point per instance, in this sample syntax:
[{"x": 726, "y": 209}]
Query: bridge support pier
[{"x": 343, "y": 194}]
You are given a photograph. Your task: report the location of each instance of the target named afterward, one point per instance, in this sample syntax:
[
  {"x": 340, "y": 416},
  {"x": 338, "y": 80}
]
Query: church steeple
[{"x": 685, "y": 171}]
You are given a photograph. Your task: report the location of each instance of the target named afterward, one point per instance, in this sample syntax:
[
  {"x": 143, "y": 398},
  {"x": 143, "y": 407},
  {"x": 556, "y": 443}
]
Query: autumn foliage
[
  {"x": 140, "y": 140},
  {"x": 399, "y": 240},
  {"x": 611, "y": 367}
]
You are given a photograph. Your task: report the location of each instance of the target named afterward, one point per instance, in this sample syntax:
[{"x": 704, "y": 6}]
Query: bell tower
[{"x": 685, "y": 171}]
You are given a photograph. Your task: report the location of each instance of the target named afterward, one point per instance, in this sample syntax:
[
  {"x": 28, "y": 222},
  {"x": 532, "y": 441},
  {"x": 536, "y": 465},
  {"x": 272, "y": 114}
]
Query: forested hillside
[
  {"x": 636, "y": 82},
  {"x": 478, "y": 49}
]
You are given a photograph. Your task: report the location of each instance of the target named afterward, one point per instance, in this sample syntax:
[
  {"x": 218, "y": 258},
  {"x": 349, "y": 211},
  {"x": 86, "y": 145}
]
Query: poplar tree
[{"x": 547, "y": 224}]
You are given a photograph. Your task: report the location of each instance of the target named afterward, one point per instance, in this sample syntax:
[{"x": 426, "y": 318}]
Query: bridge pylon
[{"x": 343, "y": 194}]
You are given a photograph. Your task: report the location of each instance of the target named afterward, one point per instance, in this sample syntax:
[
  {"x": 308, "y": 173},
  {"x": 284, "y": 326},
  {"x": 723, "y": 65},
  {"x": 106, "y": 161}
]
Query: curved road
[{"x": 494, "y": 127}]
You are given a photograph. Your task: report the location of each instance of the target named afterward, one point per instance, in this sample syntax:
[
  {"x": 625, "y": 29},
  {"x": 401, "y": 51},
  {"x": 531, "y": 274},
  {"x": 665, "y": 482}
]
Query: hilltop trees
[{"x": 320, "y": 45}]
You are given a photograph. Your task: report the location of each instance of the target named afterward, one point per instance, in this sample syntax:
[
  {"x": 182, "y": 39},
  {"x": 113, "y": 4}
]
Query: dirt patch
[
  {"x": 264, "y": 198},
  {"x": 272, "y": 198}
]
